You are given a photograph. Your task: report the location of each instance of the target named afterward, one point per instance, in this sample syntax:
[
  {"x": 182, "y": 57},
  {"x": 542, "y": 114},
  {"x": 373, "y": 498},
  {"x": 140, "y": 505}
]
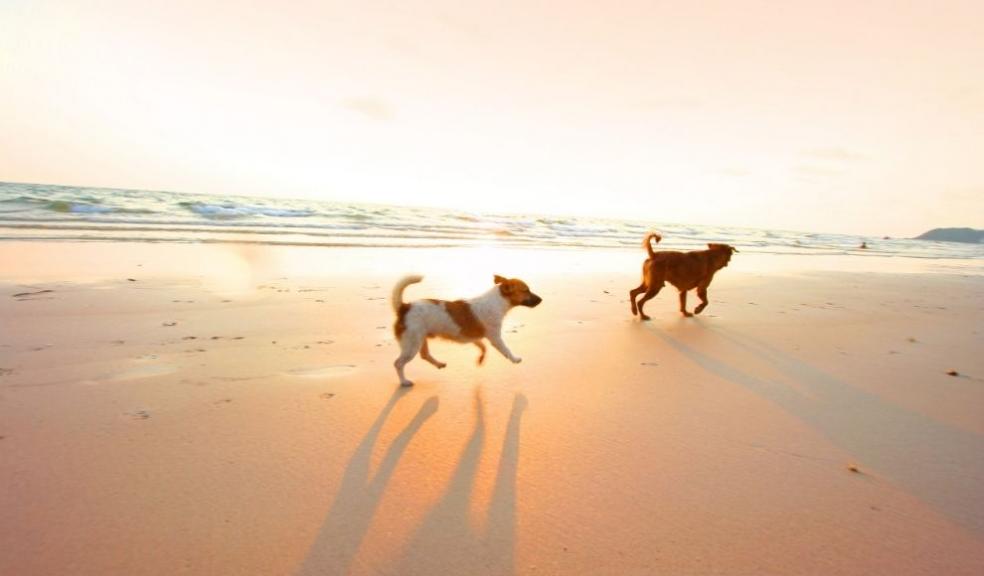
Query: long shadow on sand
[
  {"x": 446, "y": 542},
  {"x": 351, "y": 513},
  {"x": 942, "y": 465}
]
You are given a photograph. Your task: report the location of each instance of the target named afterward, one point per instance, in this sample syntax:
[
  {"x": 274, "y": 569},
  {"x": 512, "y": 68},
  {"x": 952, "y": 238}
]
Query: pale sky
[{"x": 855, "y": 117}]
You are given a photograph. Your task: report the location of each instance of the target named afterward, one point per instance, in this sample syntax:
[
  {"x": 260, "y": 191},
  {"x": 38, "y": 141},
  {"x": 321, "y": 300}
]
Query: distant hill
[{"x": 953, "y": 235}]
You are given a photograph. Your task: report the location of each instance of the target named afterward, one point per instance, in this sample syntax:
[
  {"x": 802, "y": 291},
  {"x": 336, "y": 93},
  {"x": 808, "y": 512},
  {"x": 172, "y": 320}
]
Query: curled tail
[
  {"x": 648, "y": 245},
  {"x": 397, "y": 298}
]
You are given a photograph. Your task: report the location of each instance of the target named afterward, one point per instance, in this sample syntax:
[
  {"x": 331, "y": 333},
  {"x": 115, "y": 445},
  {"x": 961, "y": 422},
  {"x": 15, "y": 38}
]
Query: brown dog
[{"x": 685, "y": 270}]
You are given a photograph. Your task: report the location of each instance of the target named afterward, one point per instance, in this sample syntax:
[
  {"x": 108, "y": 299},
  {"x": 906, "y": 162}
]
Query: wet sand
[{"x": 185, "y": 409}]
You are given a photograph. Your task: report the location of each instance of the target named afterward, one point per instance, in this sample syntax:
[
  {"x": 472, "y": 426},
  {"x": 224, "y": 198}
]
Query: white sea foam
[{"x": 36, "y": 212}]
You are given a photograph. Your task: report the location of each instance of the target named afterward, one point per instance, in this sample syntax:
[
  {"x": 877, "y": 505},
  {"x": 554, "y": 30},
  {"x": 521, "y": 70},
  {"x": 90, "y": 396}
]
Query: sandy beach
[{"x": 206, "y": 409}]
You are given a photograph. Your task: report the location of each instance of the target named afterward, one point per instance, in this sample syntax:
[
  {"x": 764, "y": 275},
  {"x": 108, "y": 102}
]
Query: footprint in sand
[
  {"x": 322, "y": 372},
  {"x": 138, "y": 415}
]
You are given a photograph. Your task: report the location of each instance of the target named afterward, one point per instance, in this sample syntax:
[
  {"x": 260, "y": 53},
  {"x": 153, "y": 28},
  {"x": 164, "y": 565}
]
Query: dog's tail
[
  {"x": 648, "y": 245},
  {"x": 397, "y": 297}
]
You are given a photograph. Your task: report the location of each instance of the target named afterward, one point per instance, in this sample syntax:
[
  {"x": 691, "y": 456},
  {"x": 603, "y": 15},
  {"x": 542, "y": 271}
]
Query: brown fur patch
[
  {"x": 461, "y": 312},
  {"x": 515, "y": 291},
  {"x": 400, "y": 325}
]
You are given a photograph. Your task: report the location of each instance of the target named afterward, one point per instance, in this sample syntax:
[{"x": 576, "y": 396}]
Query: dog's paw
[
  {"x": 643, "y": 317},
  {"x": 406, "y": 383},
  {"x": 516, "y": 359},
  {"x": 442, "y": 366}
]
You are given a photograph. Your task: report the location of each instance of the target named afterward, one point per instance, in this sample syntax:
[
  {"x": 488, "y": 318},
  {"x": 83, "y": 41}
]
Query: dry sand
[{"x": 187, "y": 409}]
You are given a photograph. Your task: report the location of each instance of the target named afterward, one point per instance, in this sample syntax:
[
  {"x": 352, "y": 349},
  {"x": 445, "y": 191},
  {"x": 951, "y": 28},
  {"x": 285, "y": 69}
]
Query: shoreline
[{"x": 198, "y": 409}]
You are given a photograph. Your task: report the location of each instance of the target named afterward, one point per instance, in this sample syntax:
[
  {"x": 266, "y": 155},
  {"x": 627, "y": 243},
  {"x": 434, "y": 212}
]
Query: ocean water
[{"x": 46, "y": 212}]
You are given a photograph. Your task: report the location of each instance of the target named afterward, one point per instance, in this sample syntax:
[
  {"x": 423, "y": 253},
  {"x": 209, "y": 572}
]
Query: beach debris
[
  {"x": 190, "y": 338},
  {"x": 854, "y": 468},
  {"x": 952, "y": 373},
  {"x": 131, "y": 279},
  {"x": 23, "y": 294},
  {"x": 168, "y": 324},
  {"x": 911, "y": 339},
  {"x": 327, "y": 395},
  {"x": 139, "y": 415},
  {"x": 649, "y": 363}
]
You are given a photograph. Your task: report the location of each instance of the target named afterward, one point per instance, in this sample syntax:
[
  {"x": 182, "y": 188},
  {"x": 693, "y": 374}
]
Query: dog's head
[
  {"x": 516, "y": 292},
  {"x": 721, "y": 254}
]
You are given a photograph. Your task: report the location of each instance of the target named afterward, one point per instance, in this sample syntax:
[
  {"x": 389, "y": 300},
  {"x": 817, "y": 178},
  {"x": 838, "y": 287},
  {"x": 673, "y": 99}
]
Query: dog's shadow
[
  {"x": 940, "y": 464},
  {"x": 446, "y": 541},
  {"x": 350, "y": 515}
]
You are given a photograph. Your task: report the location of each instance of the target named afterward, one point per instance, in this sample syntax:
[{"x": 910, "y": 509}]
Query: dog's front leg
[
  {"x": 500, "y": 345},
  {"x": 702, "y": 294},
  {"x": 683, "y": 303}
]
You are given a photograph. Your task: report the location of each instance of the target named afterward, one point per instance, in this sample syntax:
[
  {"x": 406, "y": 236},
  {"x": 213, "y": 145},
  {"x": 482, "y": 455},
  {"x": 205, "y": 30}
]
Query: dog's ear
[
  {"x": 498, "y": 279},
  {"x": 733, "y": 249}
]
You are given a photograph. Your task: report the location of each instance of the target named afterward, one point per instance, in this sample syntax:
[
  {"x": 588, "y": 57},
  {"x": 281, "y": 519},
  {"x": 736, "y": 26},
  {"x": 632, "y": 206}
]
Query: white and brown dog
[{"x": 460, "y": 320}]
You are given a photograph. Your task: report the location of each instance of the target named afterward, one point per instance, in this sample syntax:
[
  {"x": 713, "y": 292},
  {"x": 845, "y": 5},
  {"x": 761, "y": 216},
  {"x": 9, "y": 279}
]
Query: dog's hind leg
[
  {"x": 650, "y": 293},
  {"x": 683, "y": 303},
  {"x": 481, "y": 357},
  {"x": 409, "y": 346},
  {"x": 633, "y": 294},
  {"x": 702, "y": 294},
  {"x": 426, "y": 355}
]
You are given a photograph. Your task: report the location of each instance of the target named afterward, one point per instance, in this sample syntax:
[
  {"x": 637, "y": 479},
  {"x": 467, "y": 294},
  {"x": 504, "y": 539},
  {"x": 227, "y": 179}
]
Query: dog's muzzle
[{"x": 532, "y": 301}]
